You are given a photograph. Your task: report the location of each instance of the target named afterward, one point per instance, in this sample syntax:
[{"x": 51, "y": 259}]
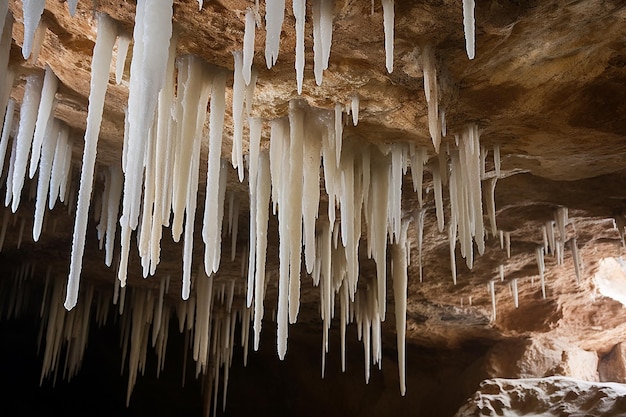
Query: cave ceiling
[{"x": 546, "y": 91}]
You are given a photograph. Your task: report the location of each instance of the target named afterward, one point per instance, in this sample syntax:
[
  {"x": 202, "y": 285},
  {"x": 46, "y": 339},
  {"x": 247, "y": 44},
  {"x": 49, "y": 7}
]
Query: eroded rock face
[
  {"x": 554, "y": 396},
  {"x": 612, "y": 366},
  {"x": 547, "y": 89}
]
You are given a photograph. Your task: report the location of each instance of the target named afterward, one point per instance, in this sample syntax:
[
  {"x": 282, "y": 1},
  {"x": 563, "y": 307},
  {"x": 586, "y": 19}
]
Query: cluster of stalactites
[
  {"x": 37, "y": 142},
  {"x": 555, "y": 239},
  {"x": 208, "y": 321},
  {"x": 364, "y": 183},
  {"x": 462, "y": 169},
  {"x": 322, "y": 18},
  {"x": 157, "y": 180},
  {"x": 156, "y": 184}
]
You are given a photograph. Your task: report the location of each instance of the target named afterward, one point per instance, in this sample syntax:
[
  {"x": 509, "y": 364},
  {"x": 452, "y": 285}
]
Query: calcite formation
[{"x": 436, "y": 174}]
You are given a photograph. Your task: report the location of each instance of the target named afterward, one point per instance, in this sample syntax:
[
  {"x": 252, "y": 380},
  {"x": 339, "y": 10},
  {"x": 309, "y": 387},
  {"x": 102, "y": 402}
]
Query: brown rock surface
[{"x": 548, "y": 86}]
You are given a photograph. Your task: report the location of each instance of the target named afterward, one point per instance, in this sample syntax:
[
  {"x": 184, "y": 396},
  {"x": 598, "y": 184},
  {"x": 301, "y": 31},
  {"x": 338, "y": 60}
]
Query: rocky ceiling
[{"x": 511, "y": 162}]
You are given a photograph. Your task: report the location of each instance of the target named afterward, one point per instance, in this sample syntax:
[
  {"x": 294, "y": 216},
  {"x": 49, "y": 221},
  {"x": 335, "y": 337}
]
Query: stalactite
[
  {"x": 153, "y": 30},
  {"x": 238, "y": 115},
  {"x": 123, "y": 43},
  {"x": 274, "y": 15},
  {"x": 248, "y": 45},
  {"x": 388, "y": 19},
  {"x": 23, "y": 141},
  {"x": 299, "y": 9},
  {"x": 322, "y": 35},
  {"x": 103, "y": 50},
  {"x": 578, "y": 264},
  {"x": 49, "y": 89},
  {"x": 431, "y": 91},
  {"x": 211, "y": 225},
  {"x": 420, "y": 240},
  {"x": 541, "y": 266},
  {"x": 7, "y": 126},
  {"x": 491, "y": 204},
  {"x": 263, "y": 193},
  {"x": 469, "y": 27},
  {"x": 43, "y": 180},
  {"x": 32, "y": 11},
  {"x": 294, "y": 204},
  {"x": 438, "y": 196},
  {"x": 492, "y": 293},
  {"x": 418, "y": 159}
]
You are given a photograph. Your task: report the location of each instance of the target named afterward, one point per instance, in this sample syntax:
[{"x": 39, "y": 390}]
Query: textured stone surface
[{"x": 554, "y": 396}]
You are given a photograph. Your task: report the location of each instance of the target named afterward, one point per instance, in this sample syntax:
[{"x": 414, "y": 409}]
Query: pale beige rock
[
  {"x": 547, "y": 397},
  {"x": 612, "y": 366}
]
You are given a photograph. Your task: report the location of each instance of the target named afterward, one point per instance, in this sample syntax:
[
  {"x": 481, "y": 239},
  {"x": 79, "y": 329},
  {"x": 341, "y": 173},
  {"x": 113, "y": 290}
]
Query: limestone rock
[{"x": 554, "y": 396}]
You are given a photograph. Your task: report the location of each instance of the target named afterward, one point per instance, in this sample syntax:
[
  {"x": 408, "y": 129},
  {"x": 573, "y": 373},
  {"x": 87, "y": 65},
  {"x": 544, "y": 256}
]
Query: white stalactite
[
  {"x": 388, "y": 21},
  {"x": 123, "y": 43},
  {"x": 469, "y": 27},
  {"x": 211, "y": 225},
  {"x": 294, "y": 204},
  {"x": 248, "y": 45},
  {"x": 491, "y": 204},
  {"x": 310, "y": 191},
  {"x": 541, "y": 267},
  {"x": 198, "y": 116},
  {"x": 338, "y": 132},
  {"x": 238, "y": 116},
  {"x": 262, "y": 211},
  {"x": 255, "y": 141},
  {"x": 23, "y": 141},
  {"x": 59, "y": 165},
  {"x": 282, "y": 168},
  {"x": 50, "y": 85},
  {"x": 354, "y": 105},
  {"x": 497, "y": 160},
  {"x": 515, "y": 293},
  {"x": 418, "y": 159},
  {"x": 420, "y": 240},
  {"x": 377, "y": 223},
  {"x": 322, "y": 35},
  {"x": 32, "y": 11},
  {"x": 43, "y": 181},
  {"x": 452, "y": 243},
  {"x": 299, "y": 10},
  {"x": 164, "y": 159},
  {"x": 576, "y": 259},
  {"x": 431, "y": 91},
  {"x": 399, "y": 273},
  {"x": 6, "y": 131},
  {"x": 102, "y": 54},
  {"x": 438, "y": 196},
  {"x": 152, "y": 33},
  {"x": 113, "y": 207},
  {"x": 274, "y": 16}
]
